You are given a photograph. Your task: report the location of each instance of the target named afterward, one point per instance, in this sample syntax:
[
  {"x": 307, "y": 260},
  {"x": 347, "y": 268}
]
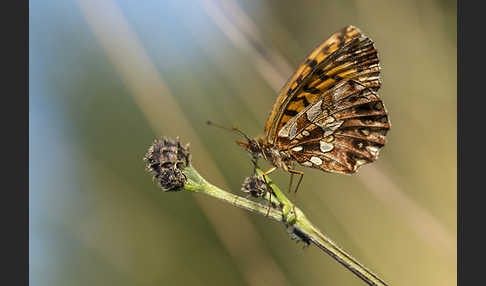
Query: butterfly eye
[{"x": 254, "y": 147}]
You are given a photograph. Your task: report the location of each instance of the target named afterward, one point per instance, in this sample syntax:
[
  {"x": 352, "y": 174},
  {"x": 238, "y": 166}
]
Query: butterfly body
[
  {"x": 328, "y": 116},
  {"x": 259, "y": 147}
]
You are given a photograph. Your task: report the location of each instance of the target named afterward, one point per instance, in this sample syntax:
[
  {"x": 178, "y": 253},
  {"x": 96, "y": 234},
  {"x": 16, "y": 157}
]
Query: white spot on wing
[
  {"x": 325, "y": 147},
  {"x": 314, "y": 111},
  {"x": 329, "y": 125},
  {"x": 340, "y": 92},
  {"x": 373, "y": 150},
  {"x": 316, "y": 160},
  {"x": 293, "y": 130},
  {"x": 289, "y": 129},
  {"x": 284, "y": 132},
  {"x": 360, "y": 163},
  {"x": 325, "y": 121},
  {"x": 297, "y": 149},
  {"x": 329, "y": 139}
]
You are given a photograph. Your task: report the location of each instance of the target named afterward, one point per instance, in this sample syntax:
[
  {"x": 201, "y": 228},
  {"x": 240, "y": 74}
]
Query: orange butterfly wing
[
  {"x": 321, "y": 71},
  {"x": 328, "y": 116}
]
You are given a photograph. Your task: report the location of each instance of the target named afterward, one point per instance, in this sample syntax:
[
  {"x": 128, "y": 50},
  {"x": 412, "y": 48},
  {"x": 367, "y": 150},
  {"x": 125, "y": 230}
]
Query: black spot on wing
[
  {"x": 323, "y": 77},
  {"x": 319, "y": 72},
  {"x": 311, "y": 63},
  {"x": 351, "y": 158},
  {"x": 311, "y": 90},
  {"x": 337, "y": 78},
  {"x": 359, "y": 144},
  {"x": 304, "y": 101},
  {"x": 290, "y": 112},
  {"x": 364, "y": 108}
]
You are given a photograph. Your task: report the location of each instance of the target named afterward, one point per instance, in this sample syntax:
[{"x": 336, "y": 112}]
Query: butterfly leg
[
  {"x": 300, "y": 178},
  {"x": 269, "y": 171},
  {"x": 292, "y": 172},
  {"x": 255, "y": 165},
  {"x": 266, "y": 183},
  {"x": 270, "y": 203},
  {"x": 290, "y": 181}
]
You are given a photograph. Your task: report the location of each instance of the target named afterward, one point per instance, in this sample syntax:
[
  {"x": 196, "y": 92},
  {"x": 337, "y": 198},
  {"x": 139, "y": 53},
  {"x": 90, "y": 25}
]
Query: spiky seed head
[
  {"x": 165, "y": 160},
  {"x": 255, "y": 186}
]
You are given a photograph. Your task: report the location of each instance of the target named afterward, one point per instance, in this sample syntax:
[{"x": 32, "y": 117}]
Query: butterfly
[{"x": 328, "y": 116}]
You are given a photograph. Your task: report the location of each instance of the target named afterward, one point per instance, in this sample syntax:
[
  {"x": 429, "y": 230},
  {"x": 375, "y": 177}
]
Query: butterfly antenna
[{"x": 232, "y": 129}]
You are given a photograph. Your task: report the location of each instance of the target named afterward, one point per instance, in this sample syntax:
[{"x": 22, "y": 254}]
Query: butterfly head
[{"x": 259, "y": 147}]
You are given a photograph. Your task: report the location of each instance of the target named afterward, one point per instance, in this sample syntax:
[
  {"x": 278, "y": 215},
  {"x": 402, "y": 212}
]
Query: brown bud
[
  {"x": 255, "y": 185},
  {"x": 165, "y": 160}
]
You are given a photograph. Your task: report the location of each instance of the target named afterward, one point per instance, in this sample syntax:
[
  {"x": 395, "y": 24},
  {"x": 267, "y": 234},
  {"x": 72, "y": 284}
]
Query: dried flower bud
[
  {"x": 255, "y": 185},
  {"x": 165, "y": 159},
  {"x": 171, "y": 179}
]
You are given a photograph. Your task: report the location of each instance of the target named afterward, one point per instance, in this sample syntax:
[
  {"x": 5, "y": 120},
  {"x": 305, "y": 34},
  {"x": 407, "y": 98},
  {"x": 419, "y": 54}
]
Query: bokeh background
[{"x": 108, "y": 77}]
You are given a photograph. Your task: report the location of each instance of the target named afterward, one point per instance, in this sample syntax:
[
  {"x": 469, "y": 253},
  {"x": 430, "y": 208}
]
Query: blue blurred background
[{"x": 108, "y": 77}]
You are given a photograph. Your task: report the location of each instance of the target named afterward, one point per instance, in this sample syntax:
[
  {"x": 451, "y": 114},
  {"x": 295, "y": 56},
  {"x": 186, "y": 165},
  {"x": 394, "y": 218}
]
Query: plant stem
[
  {"x": 196, "y": 183},
  {"x": 298, "y": 221},
  {"x": 303, "y": 225}
]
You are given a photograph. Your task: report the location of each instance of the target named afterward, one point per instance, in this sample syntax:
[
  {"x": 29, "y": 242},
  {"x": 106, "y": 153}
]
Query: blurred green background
[{"x": 108, "y": 77}]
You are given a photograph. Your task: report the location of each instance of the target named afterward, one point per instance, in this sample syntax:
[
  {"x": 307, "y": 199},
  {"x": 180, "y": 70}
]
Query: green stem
[
  {"x": 303, "y": 225},
  {"x": 298, "y": 221},
  {"x": 196, "y": 183}
]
